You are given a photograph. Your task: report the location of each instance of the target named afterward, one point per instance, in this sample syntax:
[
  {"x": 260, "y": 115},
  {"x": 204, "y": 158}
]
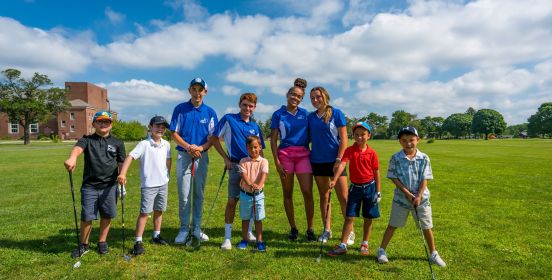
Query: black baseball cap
[
  {"x": 407, "y": 130},
  {"x": 159, "y": 120}
]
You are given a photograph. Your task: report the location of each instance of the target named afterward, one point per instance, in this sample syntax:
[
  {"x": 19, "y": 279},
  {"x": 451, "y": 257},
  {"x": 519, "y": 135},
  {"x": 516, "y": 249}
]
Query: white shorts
[{"x": 399, "y": 214}]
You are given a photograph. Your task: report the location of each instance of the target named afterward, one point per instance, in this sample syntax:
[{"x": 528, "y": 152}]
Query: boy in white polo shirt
[{"x": 155, "y": 164}]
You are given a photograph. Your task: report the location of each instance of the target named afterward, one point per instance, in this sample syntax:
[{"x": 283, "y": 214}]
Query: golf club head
[
  {"x": 127, "y": 257},
  {"x": 195, "y": 243},
  {"x": 77, "y": 264},
  {"x": 318, "y": 259}
]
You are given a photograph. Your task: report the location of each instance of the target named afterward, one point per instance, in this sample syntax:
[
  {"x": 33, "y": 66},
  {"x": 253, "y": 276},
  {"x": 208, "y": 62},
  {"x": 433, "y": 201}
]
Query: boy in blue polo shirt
[
  {"x": 191, "y": 125},
  {"x": 234, "y": 129},
  {"x": 409, "y": 170}
]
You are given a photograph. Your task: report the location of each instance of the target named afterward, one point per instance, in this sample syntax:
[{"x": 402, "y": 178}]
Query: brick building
[{"x": 86, "y": 99}]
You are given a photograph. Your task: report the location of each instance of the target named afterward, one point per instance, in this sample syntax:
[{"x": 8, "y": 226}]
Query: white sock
[
  {"x": 365, "y": 242},
  {"x": 156, "y": 234},
  {"x": 227, "y": 231},
  {"x": 434, "y": 253},
  {"x": 138, "y": 239}
]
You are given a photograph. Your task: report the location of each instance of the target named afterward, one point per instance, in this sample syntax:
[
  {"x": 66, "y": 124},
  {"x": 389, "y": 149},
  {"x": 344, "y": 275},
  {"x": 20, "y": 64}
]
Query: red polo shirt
[{"x": 362, "y": 163}]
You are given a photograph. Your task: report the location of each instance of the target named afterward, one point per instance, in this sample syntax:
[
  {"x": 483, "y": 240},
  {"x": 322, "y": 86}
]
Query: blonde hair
[{"x": 325, "y": 102}]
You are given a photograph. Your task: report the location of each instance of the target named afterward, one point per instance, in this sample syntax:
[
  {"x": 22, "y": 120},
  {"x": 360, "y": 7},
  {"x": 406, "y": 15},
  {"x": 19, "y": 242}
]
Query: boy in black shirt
[{"x": 103, "y": 154}]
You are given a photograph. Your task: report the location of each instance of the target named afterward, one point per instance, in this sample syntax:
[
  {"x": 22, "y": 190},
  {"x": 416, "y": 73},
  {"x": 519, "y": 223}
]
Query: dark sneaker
[
  {"x": 311, "y": 237},
  {"x": 102, "y": 248},
  {"x": 338, "y": 251},
  {"x": 81, "y": 250},
  {"x": 261, "y": 246},
  {"x": 159, "y": 240},
  {"x": 293, "y": 234},
  {"x": 138, "y": 248}
]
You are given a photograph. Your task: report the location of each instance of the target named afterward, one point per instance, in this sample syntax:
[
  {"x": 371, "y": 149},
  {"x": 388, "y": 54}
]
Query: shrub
[{"x": 430, "y": 140}]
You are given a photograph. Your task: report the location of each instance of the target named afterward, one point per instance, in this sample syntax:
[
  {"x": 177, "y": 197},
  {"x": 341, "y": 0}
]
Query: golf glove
[
  {"x": 377, "y": 198},
  {"x": 121, "y": 190}
]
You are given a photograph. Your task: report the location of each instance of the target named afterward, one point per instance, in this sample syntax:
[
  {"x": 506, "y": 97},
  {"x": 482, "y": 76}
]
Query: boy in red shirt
[{"x": 364, "y": 189}]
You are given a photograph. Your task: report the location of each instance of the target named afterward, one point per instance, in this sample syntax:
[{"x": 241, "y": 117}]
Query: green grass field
[{"x": 491, "y": 202}]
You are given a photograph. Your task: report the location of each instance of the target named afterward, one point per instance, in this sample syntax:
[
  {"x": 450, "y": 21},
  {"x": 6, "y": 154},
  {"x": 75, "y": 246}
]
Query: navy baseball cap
[
  {"x": 199, "y": 81},
  {"x": 362, "y": 124},
  {"x": 159, "y": 120},
  {"x": 408, "y": 130}
]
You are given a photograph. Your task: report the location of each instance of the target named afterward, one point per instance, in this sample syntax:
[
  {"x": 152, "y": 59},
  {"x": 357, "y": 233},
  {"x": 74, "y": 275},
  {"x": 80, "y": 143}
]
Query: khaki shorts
[{"x": 399, "y": 214}]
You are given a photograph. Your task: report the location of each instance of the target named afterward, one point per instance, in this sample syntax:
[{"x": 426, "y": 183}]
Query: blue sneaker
[
  {"x": 261, "y": 246},
  {"x": 242, "y": 245}
]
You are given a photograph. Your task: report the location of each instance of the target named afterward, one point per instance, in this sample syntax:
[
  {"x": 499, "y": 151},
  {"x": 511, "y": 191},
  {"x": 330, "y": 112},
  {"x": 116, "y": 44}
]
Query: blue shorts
[
  {"x": 246, "y": 206},
  {"x": 95, "y": 199},
  {"x": 362, "y": 195}
]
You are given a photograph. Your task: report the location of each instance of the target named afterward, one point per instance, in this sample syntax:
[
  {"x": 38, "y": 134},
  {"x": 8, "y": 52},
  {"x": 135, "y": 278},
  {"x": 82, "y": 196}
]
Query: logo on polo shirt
[
  {"x": 301, "y": 117},
  {"x": 111, "y": 149},
  {"x": 252, "y": 131},
  {"x": 203, "y": 121}
]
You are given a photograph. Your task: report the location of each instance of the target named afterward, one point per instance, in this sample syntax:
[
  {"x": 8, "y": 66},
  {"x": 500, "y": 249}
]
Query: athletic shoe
[
  {"x": 251, "y": 237},
  {"x": 242, "y": 245},
  {"x": 325, "y": 236},
  {"x": 310, "y": 235},
  {"x": 181, "y": 238},
  {"x": 351, "y": 239},
  {"x": 382, "y": 256},
  {"x": 261, "y": 246},
  {"x": 80, "y": 250},
  {"x": 159, "y": 240},
  {"x": 138, "y": 248},
  {"x": 436, "y": 259},
  {"x": 103, "y": 248},
  {"x": 293, "y": 234},
  {"x": 338, "y": 251},
  {"x": 364, "y": 249},
  {"x": 226, "y": 245},
  {"x": 200, "y": 235}
]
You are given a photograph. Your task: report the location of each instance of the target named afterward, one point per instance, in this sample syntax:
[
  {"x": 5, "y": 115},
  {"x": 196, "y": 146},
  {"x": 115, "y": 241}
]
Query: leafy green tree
[
  {"x": 264, "y": 127},
  {"x": 399, "y": 119},
  {"x": 129, "y": 131},
  {"x": 378, "y": 123},
  {"x": 28, "y": 101},
  {"x": 488, "y": 121},
  {"x": 471, "y": 111},
  {"x": 541, "y": 122},
  {"x": 432, "y": 126},
  {"x": 515, "y": 130},
  {"x": 458, "y": 124}
]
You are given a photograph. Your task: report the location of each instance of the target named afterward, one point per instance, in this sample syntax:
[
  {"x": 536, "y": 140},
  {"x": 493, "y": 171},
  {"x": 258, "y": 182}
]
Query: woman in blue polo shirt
[
  {"x": 292, "y": 157},
  {"x": 328, "y": 134}
]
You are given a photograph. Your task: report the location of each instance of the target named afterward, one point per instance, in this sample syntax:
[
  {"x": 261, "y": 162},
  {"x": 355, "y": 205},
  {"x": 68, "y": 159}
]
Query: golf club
[
  {"x": 425, "y": 245},
  {"x": 215, "y": 200},
  {"x": 325, "y": 223},
  {"x": 254, "y": 211},
  {"x": 192, "y": 240},
  {"x": 78, "y": 263},
  {"x": 122, "y": 193}
]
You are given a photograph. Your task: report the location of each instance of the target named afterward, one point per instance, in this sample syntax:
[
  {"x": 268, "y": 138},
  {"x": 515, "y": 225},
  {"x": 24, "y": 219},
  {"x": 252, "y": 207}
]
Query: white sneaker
[
  {"x": 382, "y": 256},
  {"x": 200, "y": 235},
  {"x": 251, "y": 237},
  {"x": 351, "y": 239},
  {"x": 325, "y": 236},
  {"x": 181, "y": 238},
  {"x": 436, "y": 259},
  {"x": 226, "y": 245}
]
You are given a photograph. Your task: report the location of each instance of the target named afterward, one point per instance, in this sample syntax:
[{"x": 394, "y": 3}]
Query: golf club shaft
[
  {"x": 325, "y": 221},
  {"x": 75, "y": 211},
  {"x": 423, "y": 238},
  {"x": 123, "y": 216},
  {"x": 215, "y": 200}
]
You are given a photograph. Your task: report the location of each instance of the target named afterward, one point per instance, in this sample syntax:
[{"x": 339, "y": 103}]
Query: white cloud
[
  {"x": 140, "y": 93},
  {"x": 230, "y": 90},
  {"x": 114, "y": 17}
]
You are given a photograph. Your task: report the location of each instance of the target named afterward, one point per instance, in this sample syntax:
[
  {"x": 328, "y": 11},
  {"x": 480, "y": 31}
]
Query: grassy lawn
[{"x": 491, "y": 202}]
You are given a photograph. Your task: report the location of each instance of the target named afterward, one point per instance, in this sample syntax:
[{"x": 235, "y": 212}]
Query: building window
[
  {"x": 72, "y": 128},
  {"x": 72, "y": 116},
  {"x": 62, "y": 123},
  {"x": 14, "y": 128},
  {"x": 33, "y": 128}
]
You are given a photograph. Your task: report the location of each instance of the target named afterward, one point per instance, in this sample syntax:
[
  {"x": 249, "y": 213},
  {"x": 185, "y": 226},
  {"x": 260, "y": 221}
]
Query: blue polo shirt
[
  {"x": 411, "y": 173},
  {"x": 194, "y": 125},
  {"x": 234, "y": 130},
  {"x": 324, "y": 136},
  {"x": 293, "y": 127}
]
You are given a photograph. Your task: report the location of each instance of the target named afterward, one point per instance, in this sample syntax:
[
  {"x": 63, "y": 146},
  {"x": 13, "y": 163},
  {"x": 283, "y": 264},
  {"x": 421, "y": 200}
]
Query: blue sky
[{"x": 430, "y": 58}]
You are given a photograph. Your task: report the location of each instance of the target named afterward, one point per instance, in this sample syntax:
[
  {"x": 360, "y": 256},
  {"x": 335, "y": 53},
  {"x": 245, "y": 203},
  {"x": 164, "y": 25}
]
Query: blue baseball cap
[
  {"x": 199, "y": 81},
  {"x": 408, "y": 130},
  {"x": 102, "y": 115},
  {"x": 362, "y": 124}
]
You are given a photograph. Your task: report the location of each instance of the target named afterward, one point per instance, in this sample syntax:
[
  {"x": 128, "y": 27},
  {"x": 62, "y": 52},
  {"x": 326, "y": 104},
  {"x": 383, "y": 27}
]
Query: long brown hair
[{"x": 325, "y": 102}]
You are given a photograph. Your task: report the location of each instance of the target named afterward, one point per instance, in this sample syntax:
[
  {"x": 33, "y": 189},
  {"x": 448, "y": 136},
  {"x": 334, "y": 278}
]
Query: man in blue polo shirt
[
  {"x": 234, "y": 129},
  {"x": 191, "y": 125}
]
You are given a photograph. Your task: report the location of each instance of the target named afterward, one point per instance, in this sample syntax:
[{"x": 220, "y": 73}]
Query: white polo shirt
[{"x": 153, "y": 162}]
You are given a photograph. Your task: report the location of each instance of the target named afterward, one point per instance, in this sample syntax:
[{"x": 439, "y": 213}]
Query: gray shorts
[
  {"x": 102, "y": 200},
  {"x": 399, "y": 214},
  {"x": 234, "y": 179},
  {"x": 154, "y": 198}
]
